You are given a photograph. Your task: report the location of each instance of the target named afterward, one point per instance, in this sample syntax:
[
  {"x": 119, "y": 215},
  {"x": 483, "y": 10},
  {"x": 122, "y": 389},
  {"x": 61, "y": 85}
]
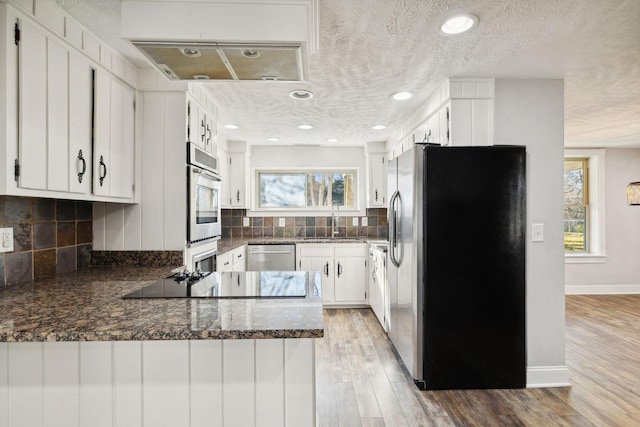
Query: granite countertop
[{"x": 87, "y": 306}]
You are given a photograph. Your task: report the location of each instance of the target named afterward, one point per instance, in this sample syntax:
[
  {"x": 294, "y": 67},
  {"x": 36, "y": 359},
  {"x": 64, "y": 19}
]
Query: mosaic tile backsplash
[
  {"x": 303, "y": 226},
  {"x": 49, "y": 237}
]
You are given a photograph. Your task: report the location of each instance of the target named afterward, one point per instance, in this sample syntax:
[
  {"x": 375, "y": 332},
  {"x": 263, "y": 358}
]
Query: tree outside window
[{"x": 576, "y": 205}]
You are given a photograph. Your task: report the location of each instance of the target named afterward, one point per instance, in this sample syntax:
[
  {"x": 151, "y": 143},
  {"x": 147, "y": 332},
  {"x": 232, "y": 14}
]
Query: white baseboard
[
  {"x": 547, "y": 376},
  {"x": 602, "y": 289}
]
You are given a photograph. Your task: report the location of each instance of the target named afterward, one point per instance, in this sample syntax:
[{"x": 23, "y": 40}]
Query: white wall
[
  {"x": 274, "y": 157},
  {"x": 620, "y": 271},
  {"x": 531, "y": 113}
]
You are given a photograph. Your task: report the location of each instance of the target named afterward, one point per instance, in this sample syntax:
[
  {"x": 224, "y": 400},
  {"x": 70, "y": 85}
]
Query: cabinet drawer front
[
  {"x": 224, "y": 261},
  {"x": 315, "y": 251}
]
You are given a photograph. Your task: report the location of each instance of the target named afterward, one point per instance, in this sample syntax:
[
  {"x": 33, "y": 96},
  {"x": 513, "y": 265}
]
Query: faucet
[{"x": 334, "y": 217}]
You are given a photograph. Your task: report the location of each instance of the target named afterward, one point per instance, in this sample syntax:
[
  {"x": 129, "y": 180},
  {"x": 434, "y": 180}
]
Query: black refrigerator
[{"x": 456, "y": 277}]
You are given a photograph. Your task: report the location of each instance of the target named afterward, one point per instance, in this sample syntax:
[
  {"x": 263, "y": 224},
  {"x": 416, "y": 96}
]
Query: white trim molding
[
  {"x": 603, "y": 289},
  {"x": 547, "y": 376}
]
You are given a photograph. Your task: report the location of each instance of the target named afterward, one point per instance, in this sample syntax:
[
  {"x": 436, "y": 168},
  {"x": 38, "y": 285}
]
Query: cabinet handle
[
  {"x": 238, "y": 196},
  {"x": 84, "y": 166},
  {"x": 339, "y": 269},
  {"x": 376, "y": 195},
  {"x": 226, "y": 263},
  {"x": 103, "y": 168},
  {"x": 326, "y": 269},
  {"x": 238, "y": 276},
  {"x": 209, "y": 134},
  {"x": 204, "y": 131}
]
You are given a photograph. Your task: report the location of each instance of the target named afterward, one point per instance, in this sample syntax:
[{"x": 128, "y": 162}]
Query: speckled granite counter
[{"x": 87, "y": 306}]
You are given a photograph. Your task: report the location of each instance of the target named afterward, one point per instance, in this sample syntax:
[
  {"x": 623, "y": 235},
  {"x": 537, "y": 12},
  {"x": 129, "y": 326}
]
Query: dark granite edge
[
  {"x": 229, "y": 244},
  {"x": 137, "y": 258},
  {"x": 165, "y": 336}
]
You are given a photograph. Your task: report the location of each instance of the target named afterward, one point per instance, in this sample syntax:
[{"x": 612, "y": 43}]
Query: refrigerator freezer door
[{"x": 392, "y": 269}]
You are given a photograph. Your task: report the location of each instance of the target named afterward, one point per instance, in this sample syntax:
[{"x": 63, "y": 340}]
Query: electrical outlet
[
  {"x": 7, "y": 239},
  {"x": 354, "y": 221},
  {"x": 364, "y": 221},
  {"x": 280, "y": 222},
  {"x": 245, "y": 221},
  {"x": 537, "y": 232}
]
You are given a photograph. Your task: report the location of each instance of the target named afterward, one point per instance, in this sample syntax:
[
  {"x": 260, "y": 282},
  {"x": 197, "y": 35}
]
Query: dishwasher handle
[{"x": 269, "y": 252}]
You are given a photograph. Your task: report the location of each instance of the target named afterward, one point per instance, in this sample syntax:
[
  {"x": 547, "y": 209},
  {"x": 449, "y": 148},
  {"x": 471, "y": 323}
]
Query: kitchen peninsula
[{"x": 74, "y": 353}]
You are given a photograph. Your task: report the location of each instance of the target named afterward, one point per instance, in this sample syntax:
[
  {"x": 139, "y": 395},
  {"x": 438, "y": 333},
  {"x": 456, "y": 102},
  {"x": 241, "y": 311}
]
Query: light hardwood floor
[{"x": 360, "y": 381}]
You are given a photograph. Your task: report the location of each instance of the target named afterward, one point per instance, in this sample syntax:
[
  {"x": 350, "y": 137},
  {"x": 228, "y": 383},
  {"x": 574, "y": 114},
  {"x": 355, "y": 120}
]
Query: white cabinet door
[
  {"x": 32, "y": 60},
  {"x": 80, "y": 123},
  {"x": 350, "y": 281},
  {"x": 237, "y": 180},
  {"x": 377, "y": 180},
  {"x": 114, "y": 138},
  {"x": 325, "y": 267},
  {"x": 225, "y": 199},
  {"x": 57, "y": 117},
  {"x": 444, "y": 131}
]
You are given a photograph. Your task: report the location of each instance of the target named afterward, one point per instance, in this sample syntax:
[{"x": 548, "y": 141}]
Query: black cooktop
[{"x": 250, "y": 284}]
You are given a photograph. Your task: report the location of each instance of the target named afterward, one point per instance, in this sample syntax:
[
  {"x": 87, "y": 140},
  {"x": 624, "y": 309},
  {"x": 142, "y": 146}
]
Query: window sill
[{"x": 584, "y": 259}]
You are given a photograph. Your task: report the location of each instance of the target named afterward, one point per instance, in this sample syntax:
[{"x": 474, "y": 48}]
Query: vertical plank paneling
[
  {"x": 481, "y": 116},
  {"x": 132, "y": 227},
  {"x": 114, "y": 226},
  {"x": 165, "y": 376},
  {"x": 206, "y": 383},
  {"x": 127, "y": 383},
  {"x": 300, "y": 374},
  {"x": 151, "y": 190},
  {"x": 99, "y": 222},
  {"x": 96, "y": 387},
  {"x": 4, "y": 384},
  {"x": 238, "y": 378},
  {"x": 175, "y": 182},
  {"x": 25, "y": 384},
  {"x": 61, "y": 384},
  {"x": 269, "y": 383}
]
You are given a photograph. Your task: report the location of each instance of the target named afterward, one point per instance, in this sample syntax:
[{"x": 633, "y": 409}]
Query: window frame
[
  {"x": 308, "y": 210},
  {"x": 595, "y": 195}
]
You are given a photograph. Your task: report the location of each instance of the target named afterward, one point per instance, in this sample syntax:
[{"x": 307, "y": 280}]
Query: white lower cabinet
[
  {"x": 236, "y": 382},
  {"x": 343, "y": 268}
]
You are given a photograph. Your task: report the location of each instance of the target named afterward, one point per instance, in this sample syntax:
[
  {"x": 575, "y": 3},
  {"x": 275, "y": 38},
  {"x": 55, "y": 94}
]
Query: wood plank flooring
[{"x": 362, "y": 383}]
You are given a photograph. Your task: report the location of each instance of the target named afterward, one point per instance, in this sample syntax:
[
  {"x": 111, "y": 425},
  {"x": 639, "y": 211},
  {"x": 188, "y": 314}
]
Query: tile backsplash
[
  {"x": 50, "y": 236},
  {"x": 303, "y": 226}
]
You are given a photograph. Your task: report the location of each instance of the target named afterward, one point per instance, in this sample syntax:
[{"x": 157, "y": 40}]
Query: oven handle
[
  {"x": 205, "y": 172},
  {"x": 204, "y": 255}
]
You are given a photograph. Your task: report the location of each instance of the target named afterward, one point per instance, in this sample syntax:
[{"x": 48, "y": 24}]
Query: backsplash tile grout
[
  {"x": 50, "y": 236},
  {"x": 303, "y": 226}
]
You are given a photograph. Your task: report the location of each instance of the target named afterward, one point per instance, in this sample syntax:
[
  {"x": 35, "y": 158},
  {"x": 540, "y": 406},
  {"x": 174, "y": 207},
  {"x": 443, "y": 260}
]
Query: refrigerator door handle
[{"x": 393, "y": 224}]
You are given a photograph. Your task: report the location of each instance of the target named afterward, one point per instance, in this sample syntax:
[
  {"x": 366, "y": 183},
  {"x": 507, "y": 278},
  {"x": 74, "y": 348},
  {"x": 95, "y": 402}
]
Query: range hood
[{"x": 220, "y": 61}]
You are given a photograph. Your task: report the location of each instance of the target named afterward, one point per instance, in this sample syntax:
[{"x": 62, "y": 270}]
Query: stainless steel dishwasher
[{"x": 271, "y": 258}]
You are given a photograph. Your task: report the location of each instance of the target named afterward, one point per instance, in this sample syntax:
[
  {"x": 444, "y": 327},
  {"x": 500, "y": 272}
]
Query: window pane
[
  {"x": 282, "y": 190},
  {"x": 575, "y": 209}
]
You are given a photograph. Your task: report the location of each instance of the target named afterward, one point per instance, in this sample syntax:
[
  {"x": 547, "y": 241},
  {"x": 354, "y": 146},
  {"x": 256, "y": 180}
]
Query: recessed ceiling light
[
  {"x": 305, "y": 127},
  {"x": 230, "y": 126},
  {"x": 458, "y": 24},
  {"x": 332, "y": 140},
  {"x": 378, "y": 127},
  {"x": 301, "y": 94},
  {"x": 273, "y": 139},
  {"x": 191, "y": 52},
  {"x": 401, "y": 96},
  {"x": 251, "y": 53}
]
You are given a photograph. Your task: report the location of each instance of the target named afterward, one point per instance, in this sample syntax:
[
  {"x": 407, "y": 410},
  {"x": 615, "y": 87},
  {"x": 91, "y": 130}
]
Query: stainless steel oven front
[{"x": 204, "y": 211}]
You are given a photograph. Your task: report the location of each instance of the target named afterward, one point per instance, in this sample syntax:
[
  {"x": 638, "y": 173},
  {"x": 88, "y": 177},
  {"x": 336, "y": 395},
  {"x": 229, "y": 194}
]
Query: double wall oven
[{"x": 204, "y": 220}]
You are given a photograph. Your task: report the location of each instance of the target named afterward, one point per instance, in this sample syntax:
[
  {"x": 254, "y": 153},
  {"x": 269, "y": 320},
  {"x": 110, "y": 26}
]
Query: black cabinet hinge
[
  {"x": 16, "y": 170},
  {"x": 16, "y": 33}
]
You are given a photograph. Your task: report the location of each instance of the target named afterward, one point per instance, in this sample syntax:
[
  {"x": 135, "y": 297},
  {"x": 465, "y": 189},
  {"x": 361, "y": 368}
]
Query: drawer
[{"x": 224, "y": 262}]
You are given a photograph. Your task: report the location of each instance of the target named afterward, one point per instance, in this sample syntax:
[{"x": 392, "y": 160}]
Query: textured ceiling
[{"x": 370, "y": 49}]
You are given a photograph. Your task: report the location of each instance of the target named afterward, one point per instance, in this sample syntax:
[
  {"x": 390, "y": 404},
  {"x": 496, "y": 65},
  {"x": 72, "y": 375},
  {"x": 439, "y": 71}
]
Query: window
[
  {"x": 584, "y": 223},
  {"x": 576, "y": 202},
  {"x": 307, "y": 190}
]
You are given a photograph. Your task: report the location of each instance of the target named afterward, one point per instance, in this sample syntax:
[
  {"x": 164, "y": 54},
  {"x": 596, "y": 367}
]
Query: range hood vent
[{"x": 219, "y": 61}]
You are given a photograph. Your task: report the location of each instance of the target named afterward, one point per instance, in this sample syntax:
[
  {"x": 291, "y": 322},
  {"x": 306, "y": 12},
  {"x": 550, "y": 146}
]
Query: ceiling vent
[{"x": 219, "y": 61}]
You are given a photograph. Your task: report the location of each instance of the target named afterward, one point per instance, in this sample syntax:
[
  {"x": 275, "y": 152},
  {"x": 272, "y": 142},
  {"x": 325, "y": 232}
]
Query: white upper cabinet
[
  {"x": 114, "y": 138},
  {"x": 80, "y": 123},
  {"x": 377, "y": 180},
  {"x": 236, "y": 176},
  {"x": 75, "y": 118},
  {"x": 201, "y": 124}
]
